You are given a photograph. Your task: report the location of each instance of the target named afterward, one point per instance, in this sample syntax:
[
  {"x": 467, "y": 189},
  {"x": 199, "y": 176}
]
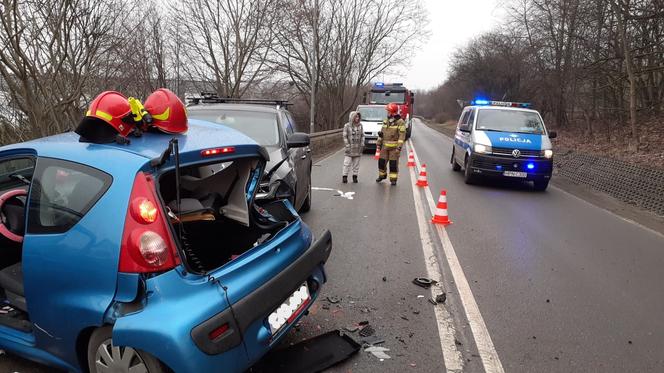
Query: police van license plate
[
  {"x": 371, "y": 141},
  {"x": 290, "y": 309},
  {"x": 515, "y": 174}
]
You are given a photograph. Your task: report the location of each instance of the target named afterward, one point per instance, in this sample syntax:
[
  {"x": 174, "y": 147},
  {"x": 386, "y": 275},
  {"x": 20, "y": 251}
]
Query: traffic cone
[
  {"x": 377, "y": 155},
  {"x": 411, "y": 159},
  {"x": 422, "y": 179},
  {"x": 440, "y": 217}
]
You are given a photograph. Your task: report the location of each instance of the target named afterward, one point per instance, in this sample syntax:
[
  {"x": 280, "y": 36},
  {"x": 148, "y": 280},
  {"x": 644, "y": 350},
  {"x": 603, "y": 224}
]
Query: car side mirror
[
  {"x": 298, "y": 140},
  {"x": 553, "y": 134}
]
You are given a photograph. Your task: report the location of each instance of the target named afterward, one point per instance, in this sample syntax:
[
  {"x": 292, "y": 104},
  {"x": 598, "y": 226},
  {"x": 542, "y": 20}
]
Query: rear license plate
[
  {"x": 371, "y": 141},
  {"x": 289, "y": 309},
  {"x": 515, "y": 174}
]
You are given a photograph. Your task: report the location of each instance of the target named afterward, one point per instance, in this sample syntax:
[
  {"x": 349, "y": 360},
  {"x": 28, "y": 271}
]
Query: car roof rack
[{"x": 213, "y": 98}]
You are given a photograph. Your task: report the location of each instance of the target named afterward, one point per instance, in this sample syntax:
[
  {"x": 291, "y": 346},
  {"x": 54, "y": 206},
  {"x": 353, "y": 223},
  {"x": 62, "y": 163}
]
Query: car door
[
  {"x": 300, "y": 158},
  {"x": 462, "y": 136}
]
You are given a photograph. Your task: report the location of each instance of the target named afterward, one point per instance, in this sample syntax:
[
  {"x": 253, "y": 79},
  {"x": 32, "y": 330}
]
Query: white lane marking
[
  {"x": 485, "y": 347},
  {"x": 347, "y": 195},
  {"x": 446, "y": 331},
  {"x": 325, "y": 189}
]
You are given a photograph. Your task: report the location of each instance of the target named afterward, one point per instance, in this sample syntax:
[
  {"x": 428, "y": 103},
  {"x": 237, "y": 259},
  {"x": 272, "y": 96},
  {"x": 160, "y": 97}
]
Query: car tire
[
  {"x": 455, "y": 165},
  {"x": 101, "y": 351},
  {"x": 540, "y": 185},
  {"x": 468, "y": 176},
  {"x": 306, "y": 206}
]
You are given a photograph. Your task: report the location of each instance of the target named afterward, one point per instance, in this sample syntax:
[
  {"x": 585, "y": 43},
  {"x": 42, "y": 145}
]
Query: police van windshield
[
  {"x": 388, "y": 97},
  {"x": 373, "y": 114},
  {"x": 261, "y": 127},
  {"x": 509, "y": 121}
]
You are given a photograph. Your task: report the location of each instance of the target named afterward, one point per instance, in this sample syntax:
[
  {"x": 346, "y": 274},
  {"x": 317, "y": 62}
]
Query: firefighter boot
[
  {"x": 344, "y": 179},
  {"x": 355, "y": 179}
]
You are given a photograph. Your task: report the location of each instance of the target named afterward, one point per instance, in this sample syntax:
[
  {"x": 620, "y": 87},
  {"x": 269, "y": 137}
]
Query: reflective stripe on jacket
[{"x": 393, "y": 133}]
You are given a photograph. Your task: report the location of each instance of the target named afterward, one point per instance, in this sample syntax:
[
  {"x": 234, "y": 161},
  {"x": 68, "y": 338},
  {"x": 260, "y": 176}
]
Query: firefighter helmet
[
  {"x": 106, "y": 118},
  {"x": 392, "y": 109},
  {"x": 167, "y": 110}
]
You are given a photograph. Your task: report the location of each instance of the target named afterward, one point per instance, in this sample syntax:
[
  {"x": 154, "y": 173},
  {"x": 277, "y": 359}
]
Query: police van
[{"x": 503, "y": 139}]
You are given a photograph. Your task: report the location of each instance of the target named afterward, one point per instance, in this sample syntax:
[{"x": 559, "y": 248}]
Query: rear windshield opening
[{"x": 218, "y": 219}]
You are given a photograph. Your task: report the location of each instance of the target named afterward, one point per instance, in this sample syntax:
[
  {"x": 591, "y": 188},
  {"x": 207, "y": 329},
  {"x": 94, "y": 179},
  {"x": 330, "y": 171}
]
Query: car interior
[
  {"x": 216, "y": 220},
  {"x": 15, "y": 176}
]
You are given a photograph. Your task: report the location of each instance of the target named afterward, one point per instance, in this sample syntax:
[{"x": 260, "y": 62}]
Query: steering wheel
[{"x": 4, "y": 229}]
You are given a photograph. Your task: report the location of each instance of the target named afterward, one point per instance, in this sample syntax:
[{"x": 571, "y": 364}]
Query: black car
[{"x": 288, "y": 173}]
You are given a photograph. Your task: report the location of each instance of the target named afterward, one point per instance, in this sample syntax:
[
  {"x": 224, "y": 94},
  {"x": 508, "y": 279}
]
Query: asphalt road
[{"x": 560, "y": 284}]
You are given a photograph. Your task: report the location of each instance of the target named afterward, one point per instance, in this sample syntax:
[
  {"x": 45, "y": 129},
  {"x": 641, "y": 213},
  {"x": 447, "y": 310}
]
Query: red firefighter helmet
[
  {"x": 167, "y": 110},
  {"x": 107, "y": 116},
  {"x": 392, "y": 109}
]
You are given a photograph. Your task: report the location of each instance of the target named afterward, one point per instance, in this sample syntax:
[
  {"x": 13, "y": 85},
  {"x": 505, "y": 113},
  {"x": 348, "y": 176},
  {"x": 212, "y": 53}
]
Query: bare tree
[
  {"x": 49, "y": 52},
  {"x": 226, "y": 42},
  {"x": 356, "y": 41}
]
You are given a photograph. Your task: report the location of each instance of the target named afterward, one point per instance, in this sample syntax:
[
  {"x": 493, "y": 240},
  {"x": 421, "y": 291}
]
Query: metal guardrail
[{"x": 325, "y": 133}]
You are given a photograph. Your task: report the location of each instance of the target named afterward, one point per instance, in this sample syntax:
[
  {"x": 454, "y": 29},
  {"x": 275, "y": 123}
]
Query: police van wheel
[
  {"x": 540, "y": 185},
  {"x": 468, "y": 176},
  {"x": 455, "y": 165}
]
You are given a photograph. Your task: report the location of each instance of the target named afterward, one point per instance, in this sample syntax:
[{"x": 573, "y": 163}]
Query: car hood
[{"x": 373, "y": 127}]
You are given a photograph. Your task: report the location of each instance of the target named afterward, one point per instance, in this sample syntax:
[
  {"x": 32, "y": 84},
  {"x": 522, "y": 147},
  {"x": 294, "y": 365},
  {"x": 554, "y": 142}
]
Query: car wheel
[
  {"x": 540, "y": 185},
  {"x": 468, "y": 176},
  {"x": 455, "y": 165},
  {"x": 306, "y": 206},
  {"x": 104, "y": 357}
]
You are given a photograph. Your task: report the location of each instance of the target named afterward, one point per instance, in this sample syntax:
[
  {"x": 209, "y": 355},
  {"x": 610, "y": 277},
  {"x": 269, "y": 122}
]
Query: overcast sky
[{"x": 451, "y": 24}]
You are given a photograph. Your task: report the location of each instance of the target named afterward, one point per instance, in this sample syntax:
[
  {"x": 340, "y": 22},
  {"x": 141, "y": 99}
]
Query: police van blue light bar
[
  {"x": 483, "y": 102},
  {"x": 379, "y": 84}
]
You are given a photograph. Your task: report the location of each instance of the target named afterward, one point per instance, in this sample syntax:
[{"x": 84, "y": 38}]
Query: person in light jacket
[{"x": 354, "y": 145}]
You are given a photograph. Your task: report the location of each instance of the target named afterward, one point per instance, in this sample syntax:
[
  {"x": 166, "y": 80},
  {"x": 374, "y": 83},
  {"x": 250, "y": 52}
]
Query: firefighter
[{"x": 390, "y": 141}]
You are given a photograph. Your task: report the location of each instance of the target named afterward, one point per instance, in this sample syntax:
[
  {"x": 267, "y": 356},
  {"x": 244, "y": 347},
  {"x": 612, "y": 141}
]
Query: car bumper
[
  {"x": 176, "y": 323},
  {"x": 495, "y": 166},
  {"x": 370, "y": 142}
]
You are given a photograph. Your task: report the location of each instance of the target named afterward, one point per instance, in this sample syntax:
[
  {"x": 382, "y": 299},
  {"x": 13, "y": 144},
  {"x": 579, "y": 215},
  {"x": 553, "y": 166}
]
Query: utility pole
[{"x": 314, "y": 68}]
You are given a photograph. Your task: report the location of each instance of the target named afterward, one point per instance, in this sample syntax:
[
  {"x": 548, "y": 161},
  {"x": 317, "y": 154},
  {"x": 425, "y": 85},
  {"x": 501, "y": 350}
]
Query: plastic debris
[
  {"x": 433, "y": 301},
  {"x": 332, "y": 299},
  {"x": 423, "y": 282},
  {"x": 372, "y": 340},
  {"x": 367, "y": 331},
  {"x": 311, "y": 355},
  {"x": 377, "y": 351},
  {"x": 441, "y": 298},
  {"x": 420, "y": 296}
]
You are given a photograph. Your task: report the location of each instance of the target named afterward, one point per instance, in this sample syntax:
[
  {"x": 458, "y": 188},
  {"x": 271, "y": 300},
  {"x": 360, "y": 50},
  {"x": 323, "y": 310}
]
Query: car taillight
[{"x": 147, "y": 245}]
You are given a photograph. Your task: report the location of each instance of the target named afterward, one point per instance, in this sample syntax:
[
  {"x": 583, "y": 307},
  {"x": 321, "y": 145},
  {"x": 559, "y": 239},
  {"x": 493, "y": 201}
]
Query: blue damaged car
[{"x": 151, "y": 256}]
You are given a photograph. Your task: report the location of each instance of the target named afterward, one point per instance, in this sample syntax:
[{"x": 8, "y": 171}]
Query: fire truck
[{"x": 385, "y": 93}]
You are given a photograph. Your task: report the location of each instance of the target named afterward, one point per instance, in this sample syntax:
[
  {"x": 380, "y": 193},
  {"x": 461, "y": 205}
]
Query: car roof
[
  {"x": 230, "y": 106},
  {"x": 200, "y": 135}
]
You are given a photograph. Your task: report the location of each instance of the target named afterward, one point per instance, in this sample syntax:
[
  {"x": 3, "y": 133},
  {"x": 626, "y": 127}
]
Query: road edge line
[
  {"x": 446, "y": 331},
  {"x": 485, "y": 346}
]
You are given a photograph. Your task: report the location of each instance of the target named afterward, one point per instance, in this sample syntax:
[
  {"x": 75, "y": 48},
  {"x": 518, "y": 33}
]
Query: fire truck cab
[{"x": 385, "y": 93}]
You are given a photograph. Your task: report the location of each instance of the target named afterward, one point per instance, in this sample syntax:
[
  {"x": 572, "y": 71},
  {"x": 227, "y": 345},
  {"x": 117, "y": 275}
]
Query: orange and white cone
[
  {"x": 411, "y": 159},
  {"x": 422, "y": 179},
  {"x": 377, "y": 155},
  {"x": 441, "y": 217}
]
